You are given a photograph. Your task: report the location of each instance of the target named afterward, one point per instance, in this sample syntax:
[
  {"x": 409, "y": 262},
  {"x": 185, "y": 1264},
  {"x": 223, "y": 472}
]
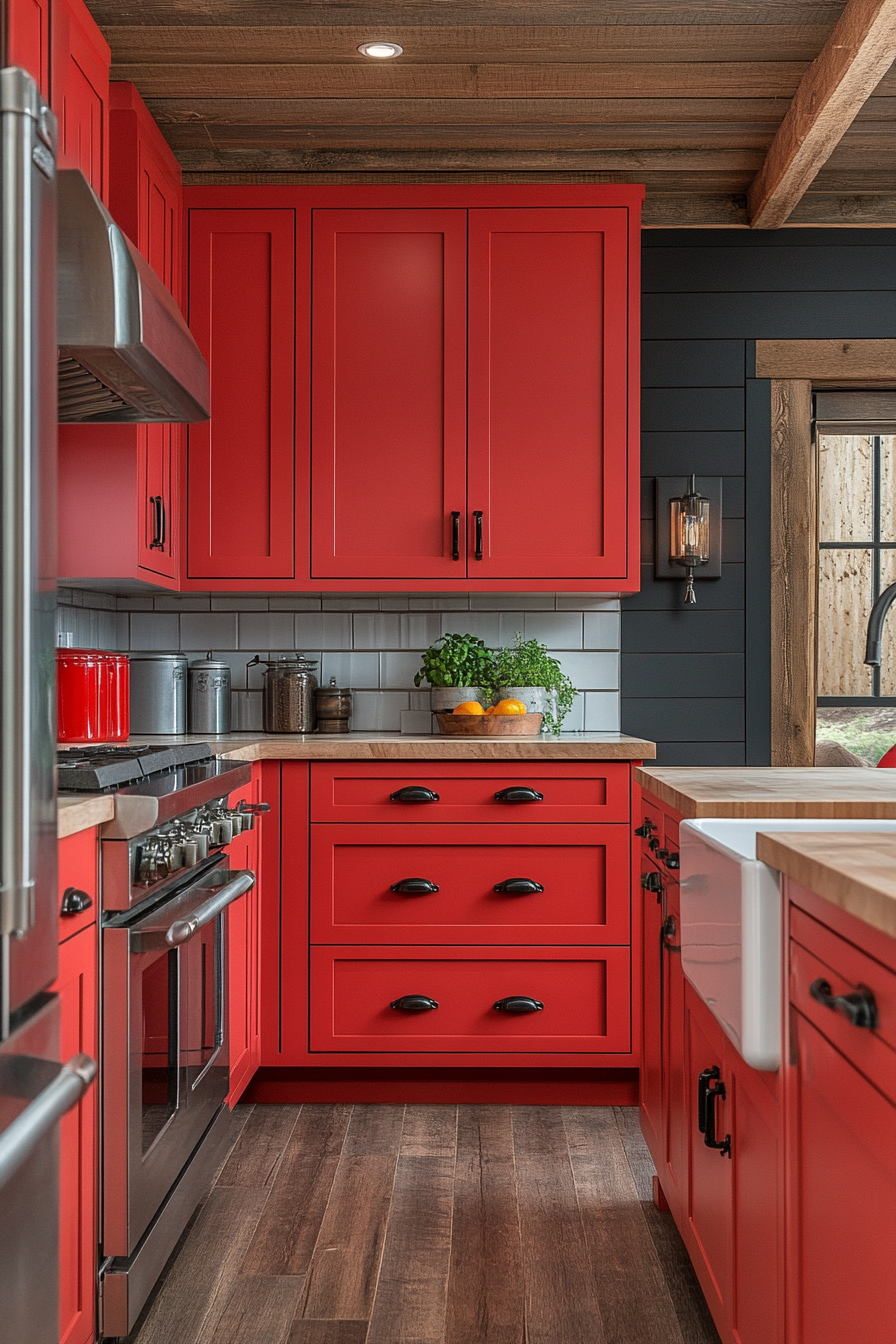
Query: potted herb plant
[
  {"x": 458, "y": 668},
  {"x": 526, "y": 671}
]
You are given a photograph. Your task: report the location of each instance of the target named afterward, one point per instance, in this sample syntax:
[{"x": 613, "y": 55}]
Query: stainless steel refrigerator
[{"x": 36, "y": 1088}]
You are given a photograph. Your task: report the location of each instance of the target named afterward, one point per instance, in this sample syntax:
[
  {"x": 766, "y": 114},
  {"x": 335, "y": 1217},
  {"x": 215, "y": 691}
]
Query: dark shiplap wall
[{"x": 697, "y": 681}]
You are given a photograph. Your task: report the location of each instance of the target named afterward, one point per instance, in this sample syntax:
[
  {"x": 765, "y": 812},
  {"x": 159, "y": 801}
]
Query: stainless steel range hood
[{"x": 125, "y": 351}]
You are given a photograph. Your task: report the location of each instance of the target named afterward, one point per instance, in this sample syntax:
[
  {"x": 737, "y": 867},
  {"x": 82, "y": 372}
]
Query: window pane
[
  {"x": 888, "y": 643},
  {"x": 866, "y": 732},
  {"x": 844, "y": 604},
  {"x": 845, "y": 496},
  {"x": 887, "y": 488}
]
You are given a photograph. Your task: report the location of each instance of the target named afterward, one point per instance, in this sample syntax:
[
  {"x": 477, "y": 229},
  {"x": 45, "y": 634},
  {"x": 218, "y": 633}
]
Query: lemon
[
  {"x": 469, "y": 707},
  {"x": 510, "y": 707}
]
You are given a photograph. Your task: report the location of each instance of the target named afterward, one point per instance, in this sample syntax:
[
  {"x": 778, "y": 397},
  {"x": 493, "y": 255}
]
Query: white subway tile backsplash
[
  {"x": 323, "y": 630},
  {"x": 266, "y": 630},
  {"x": 350, "y": 669},
  {"x": 370, "y": 642},
  {"x": 602, "y": 712},
  {"x": 602, "y": 629},
  {"x": 210, "y": 630},
  {"x": 557, "y": 629},
  {"x": 158, "y": 630}
]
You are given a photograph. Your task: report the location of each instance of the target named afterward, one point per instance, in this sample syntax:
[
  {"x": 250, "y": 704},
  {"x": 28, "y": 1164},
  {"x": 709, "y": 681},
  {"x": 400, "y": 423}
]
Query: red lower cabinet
[
  {"x": 243, "y": 955},
  {"x": 77, "y": 989}
]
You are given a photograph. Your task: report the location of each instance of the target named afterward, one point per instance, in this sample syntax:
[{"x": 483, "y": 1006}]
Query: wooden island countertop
[
  {"x": 256, "y": 746},
  {"x": 759, "y": 791},
  {"x": 855, "y": 870}
]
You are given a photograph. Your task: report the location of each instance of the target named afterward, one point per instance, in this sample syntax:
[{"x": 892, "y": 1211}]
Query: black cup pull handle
[
  {"x": 414, "y": 1003},
  {"x": 518, "y": 1003},
  {"x": 74, "y": 902},
  {"x": 414, "y": 886},
  {"x": 519, "y": 793},
  {"x": 455, "y": 534},
  {"x": 859, "y": 1007},
  {"x": 652, "y": 882},
  {"x": 723, "y": 1146},
  {"x": 667, "y": 934},
  {"x": 477, "y": 516},
  {"x": 158, "y": 540},
  {"x": 645, "y": 830},
  {"x": 413, "y": 793},
  {"x": 518, "y": 886}
]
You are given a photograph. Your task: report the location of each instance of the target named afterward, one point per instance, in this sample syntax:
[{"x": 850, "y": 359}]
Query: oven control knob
[{"x": 147, "y": 872}]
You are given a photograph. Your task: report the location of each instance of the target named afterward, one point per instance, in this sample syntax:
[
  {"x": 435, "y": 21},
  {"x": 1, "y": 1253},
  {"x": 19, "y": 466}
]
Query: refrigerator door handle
[{"x": 46, "y": 1110}]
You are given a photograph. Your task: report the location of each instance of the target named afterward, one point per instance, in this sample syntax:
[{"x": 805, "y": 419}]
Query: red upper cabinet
[
  {"x": 28, "y": 39},
  {"x": 241, "y": 471},
  {"x": 548, "y": 398},
  {"x": 79, "y": 92},
  {"x": 389, "y": 393}
]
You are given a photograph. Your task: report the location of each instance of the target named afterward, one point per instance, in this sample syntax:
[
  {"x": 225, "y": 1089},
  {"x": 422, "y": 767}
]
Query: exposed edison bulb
[{"x": 381, "y": 50}]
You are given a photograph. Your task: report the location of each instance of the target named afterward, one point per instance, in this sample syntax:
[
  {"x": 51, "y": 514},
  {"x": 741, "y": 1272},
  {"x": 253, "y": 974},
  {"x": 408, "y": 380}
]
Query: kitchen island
[{"x": 255, "y": 746}]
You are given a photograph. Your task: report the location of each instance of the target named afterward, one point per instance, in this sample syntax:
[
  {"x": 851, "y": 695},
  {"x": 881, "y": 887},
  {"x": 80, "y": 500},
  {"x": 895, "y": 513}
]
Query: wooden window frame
[{"x": 796, "y": 369}]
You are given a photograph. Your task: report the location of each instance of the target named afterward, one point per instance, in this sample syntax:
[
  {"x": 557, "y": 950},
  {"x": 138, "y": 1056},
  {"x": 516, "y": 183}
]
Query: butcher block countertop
[
  {"x": 79, "y": 811},
  {"x": 757, "y": 791},
  {"x": 407, "y": 747},
  {"x": 855, "y": 870}
]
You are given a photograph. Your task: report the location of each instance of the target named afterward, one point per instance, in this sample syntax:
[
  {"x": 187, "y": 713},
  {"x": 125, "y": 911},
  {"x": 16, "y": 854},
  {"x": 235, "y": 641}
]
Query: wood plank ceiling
[{"x": 683, "y": 95}]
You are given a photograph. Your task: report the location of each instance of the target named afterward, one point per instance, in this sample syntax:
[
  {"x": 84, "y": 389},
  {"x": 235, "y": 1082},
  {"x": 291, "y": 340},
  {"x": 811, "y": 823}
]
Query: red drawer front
[
  {"x": 78, "y": 869},
  {"x": 586, "y": 994},
  {"x": 584, "y": 871},
  {"x": 573, "y": 792}
]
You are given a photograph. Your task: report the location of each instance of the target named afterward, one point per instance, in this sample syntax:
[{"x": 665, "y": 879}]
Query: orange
[
  {"x": 469, "y": 707},
  {"x": 510, "y": 707},
  {"x": 491, "y": 710}
]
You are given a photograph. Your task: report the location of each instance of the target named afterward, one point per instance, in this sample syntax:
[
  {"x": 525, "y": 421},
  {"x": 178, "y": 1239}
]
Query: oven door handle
[{"x": 182, "y": 930}]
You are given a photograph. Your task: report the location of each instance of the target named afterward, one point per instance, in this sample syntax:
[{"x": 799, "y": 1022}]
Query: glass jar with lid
[{"x": 289, "y": 686}]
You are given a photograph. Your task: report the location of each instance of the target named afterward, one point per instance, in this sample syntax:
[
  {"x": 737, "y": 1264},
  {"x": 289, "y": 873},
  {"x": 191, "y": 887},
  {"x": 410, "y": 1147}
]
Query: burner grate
[{"x": 95, "y": 768}]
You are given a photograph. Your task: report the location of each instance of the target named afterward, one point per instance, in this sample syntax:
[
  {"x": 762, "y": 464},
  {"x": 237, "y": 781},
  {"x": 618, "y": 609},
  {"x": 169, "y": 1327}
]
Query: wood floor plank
[
  {"x": 429, "y": 1131},
  {"x": 618, "y": 1239},
  {"x": 374, "y": 1130},
  {"x": 200, "y": 1280},
  {"x": 409, "y": 1306},
  {"x": 485, "y": 1284},
  {"x": 345, "y": 1264},
  {"x": 561, "y": 1300},
  {"x": 258, "y": 1150},
  {"x": 259, "y": 1311},
  {"x": 328, "y": 1332},
  {"x": 694, "y": 1319}
]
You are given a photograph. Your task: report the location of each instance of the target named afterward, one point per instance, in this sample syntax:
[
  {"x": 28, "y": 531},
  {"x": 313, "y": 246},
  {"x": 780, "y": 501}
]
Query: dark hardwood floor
[{"x": 431, "y": 1225}]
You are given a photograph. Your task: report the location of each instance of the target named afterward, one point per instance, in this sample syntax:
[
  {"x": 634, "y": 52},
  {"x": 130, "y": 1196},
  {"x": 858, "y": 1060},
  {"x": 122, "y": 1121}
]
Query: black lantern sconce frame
[{"x": 688, "y": 530}]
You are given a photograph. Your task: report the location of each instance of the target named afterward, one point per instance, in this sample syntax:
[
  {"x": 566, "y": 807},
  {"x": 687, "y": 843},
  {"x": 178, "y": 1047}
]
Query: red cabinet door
[
  {"x": 77, "y": 989},
  {"x": 241, "y": 506},
  {"x": 549, "y": 373},
  {"x": 243, "y": 951},
  {"x": 365, "y": 884},
  {"x": 159, "y": 450},
  {"x": 585, "y": 994},
  {"x": 757, "y": 1307},
  {"x": 78, "y": 856},
  {"x": 28, "y": 39},
  {"x": 650, "y": 1094},
  {"x": 79, "y": 92},
  {"x": 388, "y": 393}
]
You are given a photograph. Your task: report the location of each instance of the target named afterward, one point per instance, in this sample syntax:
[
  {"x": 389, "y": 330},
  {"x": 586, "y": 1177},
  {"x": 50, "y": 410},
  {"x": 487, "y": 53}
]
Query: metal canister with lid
[
  {"x": 209, "y": 695},
  {"x": 158, "y": 693},
  {"x": 334, "y": 708},
  {"x": 289, "y": 686}
]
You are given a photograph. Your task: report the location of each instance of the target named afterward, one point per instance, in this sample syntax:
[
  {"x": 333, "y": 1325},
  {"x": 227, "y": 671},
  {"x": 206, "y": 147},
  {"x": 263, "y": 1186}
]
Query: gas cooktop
[{"x": 97, "y": 769}]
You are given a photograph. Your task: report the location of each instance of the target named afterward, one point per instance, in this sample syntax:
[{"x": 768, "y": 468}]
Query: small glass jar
[{"x": 333, "y": 706}]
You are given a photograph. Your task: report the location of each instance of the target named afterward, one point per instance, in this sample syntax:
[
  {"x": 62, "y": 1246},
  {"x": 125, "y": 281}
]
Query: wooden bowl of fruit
[{"x": 508, "y": 718}]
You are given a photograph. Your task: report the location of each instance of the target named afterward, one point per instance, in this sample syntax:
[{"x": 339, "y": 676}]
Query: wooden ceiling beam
[{"x": 852, "y": 63}]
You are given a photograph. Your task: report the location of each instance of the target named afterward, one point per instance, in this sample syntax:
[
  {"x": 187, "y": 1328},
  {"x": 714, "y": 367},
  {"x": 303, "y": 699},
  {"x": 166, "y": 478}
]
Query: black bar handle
[
  {"x": 518, "y": 1003},
  {"x": 703, "y": 1082},
  {"x": 74, "y": 902},
  {"x": 455, "y": 534},
  {"x": 413, "y": 793},
  {"x": 860, "y": 1007},
  {"x": 414, "y": 1003},
  {"x": 477, "y": 515},
  {"x": 519, "y": 793},
  {"x": 652, "y": 882},
  {"x": 667, "y": 934},
  {"x": 158, "y": 508},
  {"x": 722, "y": 1146},
  {"x": 414, "y": 886},
  {"x": 164, "y": 531},
  {"x": 519, "y": 886}
]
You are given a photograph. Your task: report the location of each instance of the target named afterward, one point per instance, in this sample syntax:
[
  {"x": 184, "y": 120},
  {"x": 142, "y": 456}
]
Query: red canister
[{"x": 92, "y": 696}]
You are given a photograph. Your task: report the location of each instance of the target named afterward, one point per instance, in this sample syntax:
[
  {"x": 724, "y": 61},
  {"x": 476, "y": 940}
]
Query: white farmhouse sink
[{"x": 731, "y": 927}]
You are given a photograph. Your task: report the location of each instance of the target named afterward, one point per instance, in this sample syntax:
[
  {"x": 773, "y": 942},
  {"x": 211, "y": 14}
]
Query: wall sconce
[{"x": 688, "y": 529}]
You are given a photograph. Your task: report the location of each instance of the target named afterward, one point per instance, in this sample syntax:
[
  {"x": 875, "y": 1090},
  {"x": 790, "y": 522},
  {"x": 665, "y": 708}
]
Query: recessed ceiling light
[{"x": 381, "y": 50}]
